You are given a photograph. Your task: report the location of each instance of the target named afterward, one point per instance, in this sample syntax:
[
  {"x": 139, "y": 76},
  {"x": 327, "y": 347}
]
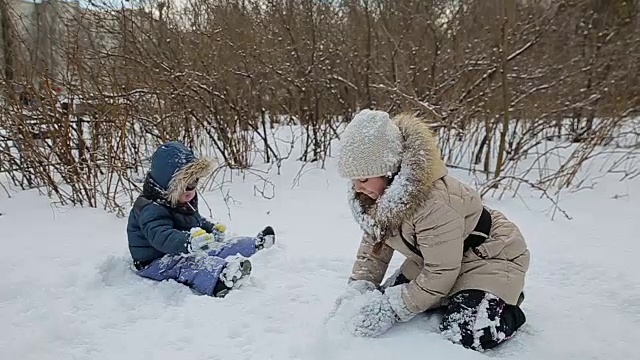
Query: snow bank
[{"x": 67, "y": 291}]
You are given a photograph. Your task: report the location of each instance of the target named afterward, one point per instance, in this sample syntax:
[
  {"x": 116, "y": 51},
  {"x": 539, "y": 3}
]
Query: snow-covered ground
[{"x": 66, "y": 290}]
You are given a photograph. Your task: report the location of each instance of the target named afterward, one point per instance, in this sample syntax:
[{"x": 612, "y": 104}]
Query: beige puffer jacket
[{"x": 436, "y": 212}]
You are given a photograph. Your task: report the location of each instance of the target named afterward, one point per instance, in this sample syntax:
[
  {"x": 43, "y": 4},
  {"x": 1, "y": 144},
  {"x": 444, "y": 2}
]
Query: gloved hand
[
  {"x": 220, "y": 227},
  {"x": 374, "y": 318},
  {"x": 219, "y": 230},
  {"x": 381, "y": 313},
  {"x": 200, "y": 239},
  {"x": 394, "y": 294},
  {"x": 354, "y": 288}
]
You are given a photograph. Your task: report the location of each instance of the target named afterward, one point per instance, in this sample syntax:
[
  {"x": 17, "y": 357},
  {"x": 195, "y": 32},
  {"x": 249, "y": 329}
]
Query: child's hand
[
  {"x": 218, "y": 232},
  {"x": 196, "y": 232},
  {"x": 200, "y": 239},
  {"x": 220, "y": 227}
]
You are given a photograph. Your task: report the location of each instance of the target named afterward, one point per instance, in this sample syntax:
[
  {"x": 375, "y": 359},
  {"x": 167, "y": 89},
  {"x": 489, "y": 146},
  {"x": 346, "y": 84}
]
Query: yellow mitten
[
  {"x": 197, "y": 233},
  {"x": 220, "y": 227},
  {"x": 199, "y": 239}
]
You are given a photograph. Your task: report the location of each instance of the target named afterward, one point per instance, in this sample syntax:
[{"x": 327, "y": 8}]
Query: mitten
[
  {"x": 220, "y": 227},
  {"x": 199, "y": 239},
  {"x": 354, "y": 288},
  {"x": 219, "y": 230},
  {"x": 394, "y": 295},
  {"x": 374, "y": 318}
]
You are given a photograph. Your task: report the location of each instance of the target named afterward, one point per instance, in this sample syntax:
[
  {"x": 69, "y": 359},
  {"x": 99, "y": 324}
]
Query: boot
[
  {"x": 266, "y": 238},
  {"x": 234, "y": 274}
]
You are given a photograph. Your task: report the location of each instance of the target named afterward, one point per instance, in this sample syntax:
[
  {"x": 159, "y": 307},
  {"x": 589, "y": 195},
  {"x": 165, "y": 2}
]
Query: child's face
[
  {"x": 187, "y": 196},
  {"x": 372, "y": 187},
  {"x": 189, "y": 193}
]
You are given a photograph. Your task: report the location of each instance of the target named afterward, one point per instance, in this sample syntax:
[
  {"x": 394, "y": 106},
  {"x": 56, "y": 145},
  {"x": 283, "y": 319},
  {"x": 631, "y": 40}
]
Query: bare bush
[{"x": 509, "y": 86}]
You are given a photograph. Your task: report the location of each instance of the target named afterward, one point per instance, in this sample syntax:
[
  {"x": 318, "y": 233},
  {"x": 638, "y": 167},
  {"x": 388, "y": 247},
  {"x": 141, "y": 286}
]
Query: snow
[{"x": 67, "y": 290}]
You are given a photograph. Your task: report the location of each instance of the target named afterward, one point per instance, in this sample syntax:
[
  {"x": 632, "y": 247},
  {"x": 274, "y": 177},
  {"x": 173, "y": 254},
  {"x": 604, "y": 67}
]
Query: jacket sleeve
[
  {"x": 157, "y": 226},
  {"x": 206, "y": 225},
  {"x": 439, "y": 236},
  {"x": 368, "y": 265}
]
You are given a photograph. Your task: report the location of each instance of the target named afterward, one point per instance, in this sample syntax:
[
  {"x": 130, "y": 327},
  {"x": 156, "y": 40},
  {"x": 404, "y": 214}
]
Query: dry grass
[{"x": 496, "y": 78}]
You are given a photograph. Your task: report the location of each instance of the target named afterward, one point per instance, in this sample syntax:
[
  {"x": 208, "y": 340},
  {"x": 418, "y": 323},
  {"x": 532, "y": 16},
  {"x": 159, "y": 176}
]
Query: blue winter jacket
[{"x": 158, "y": 224}]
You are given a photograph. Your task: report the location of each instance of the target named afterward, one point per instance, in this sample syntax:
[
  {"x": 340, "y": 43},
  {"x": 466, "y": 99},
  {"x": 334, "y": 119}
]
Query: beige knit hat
[{"x": 370, "y": 146}]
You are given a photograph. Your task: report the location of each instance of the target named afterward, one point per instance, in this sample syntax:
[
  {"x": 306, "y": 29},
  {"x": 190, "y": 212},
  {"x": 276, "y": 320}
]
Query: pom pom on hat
[{"x": 370, "y": 146}]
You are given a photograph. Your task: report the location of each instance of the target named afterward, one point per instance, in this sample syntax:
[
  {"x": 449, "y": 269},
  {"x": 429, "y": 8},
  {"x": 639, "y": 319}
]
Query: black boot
[
  {"x": 232, "y": 279},
  {"x": 468, "y": 307},
  {"x": 266, "y": 238}
]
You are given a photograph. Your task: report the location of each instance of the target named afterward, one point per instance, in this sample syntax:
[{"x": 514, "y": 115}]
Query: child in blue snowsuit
[{"x": 169, "y": 239}]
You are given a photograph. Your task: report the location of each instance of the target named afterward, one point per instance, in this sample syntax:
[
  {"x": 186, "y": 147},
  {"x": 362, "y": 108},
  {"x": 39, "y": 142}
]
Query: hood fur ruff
[
  {"x": 198, "y": 169},
  {"x": 420, "y": 166}
]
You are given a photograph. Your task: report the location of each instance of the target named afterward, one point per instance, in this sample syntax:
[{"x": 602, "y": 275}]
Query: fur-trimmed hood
[
  {"x": 421, "y": 165},
  {"x": 174, "y": 167}
]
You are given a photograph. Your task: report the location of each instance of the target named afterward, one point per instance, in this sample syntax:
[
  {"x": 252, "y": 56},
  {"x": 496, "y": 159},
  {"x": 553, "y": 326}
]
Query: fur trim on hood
[
  {"x": 198, "y": 169},
  {"x": 421, "y": 165},
  {"x": 174, "y": 166}
]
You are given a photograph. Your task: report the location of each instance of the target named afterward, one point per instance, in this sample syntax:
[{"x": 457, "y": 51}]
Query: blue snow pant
[{"x": 200, "y": 273}]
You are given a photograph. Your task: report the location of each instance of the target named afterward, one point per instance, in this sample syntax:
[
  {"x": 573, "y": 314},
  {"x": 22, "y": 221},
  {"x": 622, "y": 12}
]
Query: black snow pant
[{"x": 478, "y": 320}]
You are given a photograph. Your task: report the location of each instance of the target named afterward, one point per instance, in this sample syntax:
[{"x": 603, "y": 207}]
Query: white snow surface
[{"x": 67, "y": 291}]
